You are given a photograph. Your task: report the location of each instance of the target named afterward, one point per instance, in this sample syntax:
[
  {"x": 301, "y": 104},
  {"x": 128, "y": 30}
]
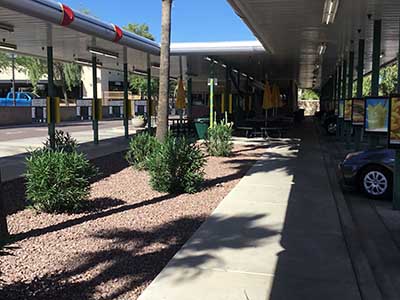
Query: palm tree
[{"x": 162, "y": 120}]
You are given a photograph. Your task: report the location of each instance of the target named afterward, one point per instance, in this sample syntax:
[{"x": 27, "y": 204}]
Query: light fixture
[
  {"x": 321, "y": 49},
  {"x": 8, "y": 46},
  {"x": 215, "y": 62},
  {"x": 6, "y": 27},
  {"x": 208, "y": 59},
  {"x": 236, "y": 71},
  {"x": 244, "y": 75},
  {"x": 382, "y": 55},
  {"x": 251, "y": 78},
  {"x": 329, "y": 12},
  {"x": 86, "y": 62},
  {"x": 223, "y": 65},
  {"x": 103, "y": 52}
]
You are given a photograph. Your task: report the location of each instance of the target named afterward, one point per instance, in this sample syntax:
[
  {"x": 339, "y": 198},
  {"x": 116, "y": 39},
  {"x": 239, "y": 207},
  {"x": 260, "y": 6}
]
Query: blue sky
[{"x": 192, "y": 20}]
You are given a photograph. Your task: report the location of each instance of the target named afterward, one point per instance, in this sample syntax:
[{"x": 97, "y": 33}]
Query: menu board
[
  {"x": 394, "y": 124},
  {"x": 376, "y": 114},
  {"x": 341, "y": 109},
  {"x": 348, "y": 107},
  {"x": 336, "y": 106},
  {"x": 358, "y": 112}
]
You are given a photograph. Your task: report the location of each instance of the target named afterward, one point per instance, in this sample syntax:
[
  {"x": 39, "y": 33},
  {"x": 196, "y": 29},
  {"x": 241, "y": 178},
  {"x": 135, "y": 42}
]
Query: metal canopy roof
[
  {"x": 292, "y": 30},
  {"x": 245, "y": 56},
  {"x": 36, "y": 24}
]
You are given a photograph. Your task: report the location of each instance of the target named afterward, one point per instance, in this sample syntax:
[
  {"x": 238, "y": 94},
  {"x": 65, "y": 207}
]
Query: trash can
[{"x": 201, "y": 125}]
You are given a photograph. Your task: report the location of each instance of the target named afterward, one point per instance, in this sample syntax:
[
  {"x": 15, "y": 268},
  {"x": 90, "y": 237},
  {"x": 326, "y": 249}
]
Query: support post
[
  {"x": 126, "y": 101},
  {"x": 52, "y": 108},
  {"x": 396, "y": 178},
  {"x": 95, "y": 121},
  {"x": 227, "y": 87},
  {"x": 350, "y": 95},
  {"x": 338, "y": 80},
  {"x": 343, "y": 93},
  {"x": 149, "y": 95},
  {"x": 360, "y": 83},
  {"x": 189, "y": 97},
  {"x": 13, "y": 78},
  {"x": 212, "y": 95},
  {"x": 376, "y": 61}
]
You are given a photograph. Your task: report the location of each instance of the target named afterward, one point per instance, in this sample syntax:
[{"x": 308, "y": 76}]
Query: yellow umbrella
[
  {"x": 267, "y": 101},
  {"x": 180, "y": 96}
]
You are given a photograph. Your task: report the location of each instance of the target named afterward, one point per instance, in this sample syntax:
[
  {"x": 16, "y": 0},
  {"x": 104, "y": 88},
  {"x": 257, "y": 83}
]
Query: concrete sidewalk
[{"x": 276, "y": 236}]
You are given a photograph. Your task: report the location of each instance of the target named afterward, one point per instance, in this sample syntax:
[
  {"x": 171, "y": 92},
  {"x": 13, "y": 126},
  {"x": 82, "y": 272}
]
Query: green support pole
[
  {"x": 227, "y": 87},
  {"x": 337, "y": 95},
  {"x": 149, "y": 108},
  {"x": 52, "y": 108},
  {"x": 376, "y": 61},
  {"x": 360, "y": 82},
  {"x": 343, "y": 93},
  {"x": 189, "y": 97},
  {"x": 350, "y": 95},
  {"x": 212, "y": 96},
  {"x": 237, "y": 99},
  {"x": 211, "y": 102},
  {"x": 126, "y": 101},
  {"x": 95, "y": 121},
  {"x": 396, "y": 179}
]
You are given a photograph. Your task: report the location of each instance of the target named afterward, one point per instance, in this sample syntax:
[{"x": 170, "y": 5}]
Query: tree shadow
[
  {"x": 134, "y": 257},
  {"x": 89, "y": 217}
]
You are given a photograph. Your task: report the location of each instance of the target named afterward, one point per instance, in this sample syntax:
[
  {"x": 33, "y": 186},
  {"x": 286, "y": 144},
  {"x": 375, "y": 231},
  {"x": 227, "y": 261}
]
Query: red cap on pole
[
  {"x": 67, "y": 16},
  {"x": 118, "y": 33}
]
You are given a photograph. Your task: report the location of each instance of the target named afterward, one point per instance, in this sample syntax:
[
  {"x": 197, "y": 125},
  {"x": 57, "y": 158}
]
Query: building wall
[{"x": 103, "y": 79}]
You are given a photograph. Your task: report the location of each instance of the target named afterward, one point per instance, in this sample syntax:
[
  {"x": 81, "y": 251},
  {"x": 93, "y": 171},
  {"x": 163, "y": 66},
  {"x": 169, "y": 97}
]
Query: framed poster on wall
[
  {"x": 348, "y": 108},
  {"x": 376, "y": 114},
  {"x": 394, "y": 122},
  {"x": 341, "y": 109},
  {"x": 358, "y": 111},
  {"x": 336, "y": 108}
]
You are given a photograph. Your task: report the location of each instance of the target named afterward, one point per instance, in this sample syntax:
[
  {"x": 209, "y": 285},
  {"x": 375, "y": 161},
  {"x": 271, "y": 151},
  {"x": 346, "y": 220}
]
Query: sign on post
[
  {"x": 376, "y": 114},
  {"x": 341, "y": 109},
  {"x": 358, "y": 112},
  {"x": 348, "y": 108},
  {"x": 394, "y": 122}
]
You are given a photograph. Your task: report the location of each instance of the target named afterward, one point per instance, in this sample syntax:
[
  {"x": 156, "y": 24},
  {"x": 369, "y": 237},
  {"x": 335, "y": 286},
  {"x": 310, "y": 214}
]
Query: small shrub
[
  {"x": 219, "y": 140},
  {"x": 63, "y": 142},
  {"x": 58, "y": 181},
  {"x": 141, "y": 148},
  {"x": 177, "y": 167}
]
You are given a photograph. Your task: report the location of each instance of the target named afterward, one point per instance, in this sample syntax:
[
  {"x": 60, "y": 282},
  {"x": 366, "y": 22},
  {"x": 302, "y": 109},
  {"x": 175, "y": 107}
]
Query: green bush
[
  {"x": 219, "y": 139},
  {"x": 63, "y": 142},
  {"x": 141, "y": 148},
  {"x": 177, "y": 167},
  {"x": 58, "y": 181}
]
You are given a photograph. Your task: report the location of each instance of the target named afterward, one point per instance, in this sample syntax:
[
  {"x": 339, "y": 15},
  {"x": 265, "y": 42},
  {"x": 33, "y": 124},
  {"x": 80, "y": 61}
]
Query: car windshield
[{"x": 33, "y": 95}]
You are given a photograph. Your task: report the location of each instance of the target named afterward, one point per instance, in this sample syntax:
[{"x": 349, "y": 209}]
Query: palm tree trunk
[
  {"x": 162, "y": 120},
  {"x": 3, "y": 217}
]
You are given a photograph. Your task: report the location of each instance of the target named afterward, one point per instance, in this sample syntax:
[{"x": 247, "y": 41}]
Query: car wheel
[
  {"x": 376, "y": 182},
  {"x": 331, "y": 128}
]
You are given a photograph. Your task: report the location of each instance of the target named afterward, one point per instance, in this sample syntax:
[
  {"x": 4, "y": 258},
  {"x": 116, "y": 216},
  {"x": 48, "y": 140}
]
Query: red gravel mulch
[{"x": 118, "y": 246}]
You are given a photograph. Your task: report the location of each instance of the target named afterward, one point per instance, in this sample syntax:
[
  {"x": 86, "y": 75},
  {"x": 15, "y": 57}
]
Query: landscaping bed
[{"x": 120, "y": 242}]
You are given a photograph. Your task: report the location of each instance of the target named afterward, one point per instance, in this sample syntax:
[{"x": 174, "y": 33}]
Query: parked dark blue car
[{"x": 371, "y": 171}]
